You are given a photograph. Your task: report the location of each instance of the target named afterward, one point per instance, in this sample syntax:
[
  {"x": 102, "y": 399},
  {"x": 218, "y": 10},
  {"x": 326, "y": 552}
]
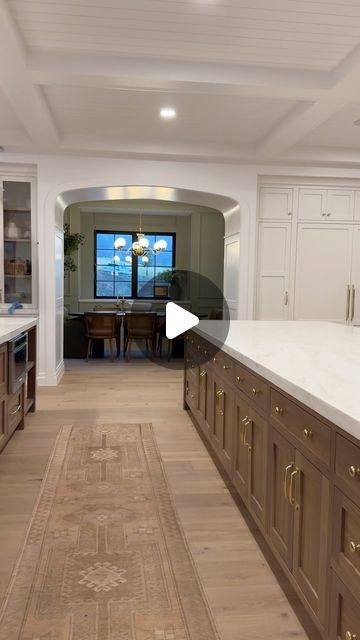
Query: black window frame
[{"x": 134, "y": 275}]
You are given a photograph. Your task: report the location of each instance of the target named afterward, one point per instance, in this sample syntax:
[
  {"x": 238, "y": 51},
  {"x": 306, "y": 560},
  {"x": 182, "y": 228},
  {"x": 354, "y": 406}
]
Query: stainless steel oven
[{"x": 17, "y": 355}]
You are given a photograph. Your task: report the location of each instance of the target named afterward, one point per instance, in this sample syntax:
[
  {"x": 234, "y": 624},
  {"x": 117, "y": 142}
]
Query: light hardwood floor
[{"x": 246, "y": 598}]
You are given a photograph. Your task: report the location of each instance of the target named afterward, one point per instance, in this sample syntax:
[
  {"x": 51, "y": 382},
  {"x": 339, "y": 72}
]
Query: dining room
[{"x": 124, "y": 261}]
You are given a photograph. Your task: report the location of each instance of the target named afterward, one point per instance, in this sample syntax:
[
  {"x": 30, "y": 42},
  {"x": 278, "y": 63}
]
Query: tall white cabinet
[
  {"x": 308, "y": 265},
  {"x": 18, "y": 245}
]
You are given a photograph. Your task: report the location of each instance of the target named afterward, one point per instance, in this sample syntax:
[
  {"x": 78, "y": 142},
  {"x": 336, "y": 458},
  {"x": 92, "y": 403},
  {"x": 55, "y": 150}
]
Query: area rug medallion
[{"x": 105, "y": 557}]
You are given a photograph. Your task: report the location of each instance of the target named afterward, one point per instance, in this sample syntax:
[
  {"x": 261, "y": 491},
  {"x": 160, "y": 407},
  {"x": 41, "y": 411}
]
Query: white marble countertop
[
  {"x": 11, "y": 326},
  {"x": 318, "y": 363}
]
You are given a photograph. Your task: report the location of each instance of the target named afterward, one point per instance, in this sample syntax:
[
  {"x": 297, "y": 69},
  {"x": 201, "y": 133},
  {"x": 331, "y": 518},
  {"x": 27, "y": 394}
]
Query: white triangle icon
[{"x": 178, "y": 320}]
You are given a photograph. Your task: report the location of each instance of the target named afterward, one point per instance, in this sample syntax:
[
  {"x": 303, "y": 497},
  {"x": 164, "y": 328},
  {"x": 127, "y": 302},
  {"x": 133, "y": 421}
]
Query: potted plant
[
  {"x": 72, "y": 241},
  {"x": 175, "y": 278}
]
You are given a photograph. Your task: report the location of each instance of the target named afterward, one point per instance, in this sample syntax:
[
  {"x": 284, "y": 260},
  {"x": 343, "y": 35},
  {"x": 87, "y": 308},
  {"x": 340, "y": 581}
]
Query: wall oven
[{"x": 17, "y": 355}]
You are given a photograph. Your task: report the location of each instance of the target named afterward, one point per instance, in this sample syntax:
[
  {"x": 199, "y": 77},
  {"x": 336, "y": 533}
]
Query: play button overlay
[
  {"x": 183, "y": 301},
  {"x": 178, "y": 320}
]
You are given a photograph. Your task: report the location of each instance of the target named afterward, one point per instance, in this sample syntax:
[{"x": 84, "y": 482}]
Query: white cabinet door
[
  {"x": 354, "y": 315},
  {"x": 340, "y": 205},
  {"x": 273, "y": 271},
  {"x": 323, "y": 271},
  {"x": 312, "y": 204},
  {"x": 275, "y": 203}
]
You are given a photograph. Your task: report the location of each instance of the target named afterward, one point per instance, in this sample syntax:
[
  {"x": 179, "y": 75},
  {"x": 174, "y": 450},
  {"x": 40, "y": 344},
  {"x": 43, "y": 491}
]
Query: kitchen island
[
  {"x": 17, "y": 375},
  {"x": 279, "y": 405}
]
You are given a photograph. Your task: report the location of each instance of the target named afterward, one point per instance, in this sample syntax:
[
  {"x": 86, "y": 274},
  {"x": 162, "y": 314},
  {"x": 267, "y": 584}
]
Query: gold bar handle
[
  {"x": 353, "y": 303},
  {"x": 348, "y": 302},
  {"x": 351, "y": 636},
  {"x": 354, "y": 472},
  {"x": 354, "y": 548},
  {"x": 286, "y": 475},
  {"x": 291, "y": 488},
  {"x": 12, "y": 413},
  {"x": 246, "y": 424},
  {"x": 279, "y": 411},
  {"x": 242, "y": 429},
  {"x": 286, "y": 298}
]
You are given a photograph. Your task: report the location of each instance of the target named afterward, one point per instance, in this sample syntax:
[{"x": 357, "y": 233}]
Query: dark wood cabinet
[
  {"x": 298, "y": 475},
  {"x": 311, "y": 532},
  {"x": 281, "y": 483},
  {"x": 3, "y": 370}
]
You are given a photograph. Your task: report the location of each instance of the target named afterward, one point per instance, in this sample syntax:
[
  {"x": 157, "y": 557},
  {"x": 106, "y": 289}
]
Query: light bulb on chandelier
[{"x": 141, "y": 246}]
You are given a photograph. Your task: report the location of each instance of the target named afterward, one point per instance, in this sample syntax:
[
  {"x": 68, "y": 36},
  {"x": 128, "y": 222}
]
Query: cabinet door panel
[
  {"x": 344, "y": 612},
  {"x": 323, "y": 270},
  {"x": 205, "y": 400},
  {"x": 273, "y": 270},
  {"x": 256, "y": 435},
  {"x": 311, "y": 526},
  {"x": 224, "y": 423},
  {"x": 3, "y": 370},
  {"x": 3, "y": 421},
  {"x": 355, "y": 278},
  {"x": 312, "y": 204},
  {"x": 340, "y": 204},
  {"x": 282, "y": 458},
  {"x": 275, "y": 203},
  {"x": 241, "y": 449}
]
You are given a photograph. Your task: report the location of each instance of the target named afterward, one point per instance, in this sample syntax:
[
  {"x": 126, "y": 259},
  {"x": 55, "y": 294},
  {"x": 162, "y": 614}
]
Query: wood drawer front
[
  {"x": 254, "y": 387},
  {"x": 3, "y": 421},
  {"x": 3, "y": 370},
  {"x": 346, "y": 541},
  {"x": 224, "y": 366},
  {"x": 345, "y": 613},
  {"x": 15, "y": 410},
  {"x": 313, "y": 434},
  {"x": 347, "y": 463}
]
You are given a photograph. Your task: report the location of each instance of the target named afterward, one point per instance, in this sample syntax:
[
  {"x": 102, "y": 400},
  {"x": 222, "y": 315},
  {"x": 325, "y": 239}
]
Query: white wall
[{"x": 57, "y": 174}]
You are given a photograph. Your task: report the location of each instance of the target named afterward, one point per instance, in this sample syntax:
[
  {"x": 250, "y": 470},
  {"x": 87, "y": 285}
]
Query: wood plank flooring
[{"x": 247, "y": 599}]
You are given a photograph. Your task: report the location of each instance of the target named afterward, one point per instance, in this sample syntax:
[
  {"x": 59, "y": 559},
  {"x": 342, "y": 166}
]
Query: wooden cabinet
[
  {"x": 298, "y": 476},
  {"x": 3, "y": 370},
  {"x": 275, "y": 203},
  {"x": 250, "y": 453},
  {"x": 272, "y": 296},
  {"x": 3, "y": 421}
]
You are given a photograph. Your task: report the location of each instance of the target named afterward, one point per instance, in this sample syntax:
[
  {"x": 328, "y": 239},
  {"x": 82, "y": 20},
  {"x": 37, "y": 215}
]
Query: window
[{"x": 114, "y": 276}]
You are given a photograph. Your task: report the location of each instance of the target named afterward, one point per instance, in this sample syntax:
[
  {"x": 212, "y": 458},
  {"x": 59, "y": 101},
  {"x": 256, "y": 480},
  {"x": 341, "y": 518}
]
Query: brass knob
[
  {"x": 351, "y": 636},
  {"x": 220, "y": 393},
  {"x": 354, "y": 548},
  {"x": 199, "y": 347},
  {"x": 307, "y": 433},
  {"x": 353, "y": 471},
  {"x": 203, "y": 373},
  {"x": 225, "y": 367},
  {"x": 214, "y": 359},
  {"x": 255, "y": 391},
  {"x": 279, "y": 411},
  {"x": 220, "y": 413},
  {"x": 238, "y": 379}
]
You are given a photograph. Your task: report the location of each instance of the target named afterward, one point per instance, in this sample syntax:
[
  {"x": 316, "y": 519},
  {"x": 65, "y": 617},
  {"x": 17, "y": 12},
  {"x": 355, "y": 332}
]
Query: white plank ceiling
[{"x": 249, "y": 79}]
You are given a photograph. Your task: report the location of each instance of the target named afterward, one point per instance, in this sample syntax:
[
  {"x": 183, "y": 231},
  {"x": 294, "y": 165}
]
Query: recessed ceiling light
[
  {"x": 168, "y": 113},
  {"x": 357, "y": 123}
]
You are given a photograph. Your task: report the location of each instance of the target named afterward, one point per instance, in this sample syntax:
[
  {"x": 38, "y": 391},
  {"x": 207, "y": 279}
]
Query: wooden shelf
[
  {"x": 28, "y": 404},
  {"x": 20, "y": 210},
  {"x": 29, "y": 365}
]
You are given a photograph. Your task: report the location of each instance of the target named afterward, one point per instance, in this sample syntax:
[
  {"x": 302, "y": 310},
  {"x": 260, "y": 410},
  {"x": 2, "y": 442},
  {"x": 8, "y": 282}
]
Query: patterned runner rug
[{"x": 105, "y": 557}]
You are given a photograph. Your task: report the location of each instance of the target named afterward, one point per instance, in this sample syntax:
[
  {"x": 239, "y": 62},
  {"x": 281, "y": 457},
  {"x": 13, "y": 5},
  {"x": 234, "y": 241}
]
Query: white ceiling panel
[
  {"x": 337, "y": 131},
  {"x": 9, "y": 122},
  {"x": 282, "y": 33},
  {"x": 134, "y": 115}
]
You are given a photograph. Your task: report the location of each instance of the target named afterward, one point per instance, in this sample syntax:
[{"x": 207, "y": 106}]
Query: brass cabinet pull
[
  {"x": 242, "y": 428},
  {"x": 307, "y": 433},
  {"x": 354, "y": 472},
  {"x": 226, "y": 367},
  {"x": 192, "y": 396},
  {"x": 214, "y": 360},
  {"x": 238, "y": 379},
  {"x": 246, "y": 424},
  {"x": 220, "y": 413},
  {"x": 351, "y": 636},
  {"x": 202, "y": 373},
  {"x": 354, "y": 548},
  {"x": 353, "y": 303},
  {"x": 12, "y": 413},
  {"x": 279, "y": 411},
  {"x": 286, "y": 298},
  {"x": 286, "y": 475},
  {"x": 348, "y": 295},
  {"x": 220, "y": 393},
  {"x": 187, "y": 386},
  {"x": 291, "y": 487},
  {"x": 255, "y": 391}
]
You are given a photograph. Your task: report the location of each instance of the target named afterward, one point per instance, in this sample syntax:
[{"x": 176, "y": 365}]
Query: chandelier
[{"x": 141, "y": 247}]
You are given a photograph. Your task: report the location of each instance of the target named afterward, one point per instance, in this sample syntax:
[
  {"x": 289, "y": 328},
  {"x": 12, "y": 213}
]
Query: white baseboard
[{"x": 52, "y": 379}]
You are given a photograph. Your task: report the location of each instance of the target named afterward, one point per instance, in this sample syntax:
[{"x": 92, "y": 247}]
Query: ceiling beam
[
  {"x": 26, "y": 99},
  {"x": 304, "y": 118},
  {"x": 116, "y": 72}
]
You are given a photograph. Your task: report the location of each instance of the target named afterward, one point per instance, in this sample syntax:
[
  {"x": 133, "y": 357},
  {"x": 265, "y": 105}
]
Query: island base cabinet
[
  {"x": 222, "y": 423},
  {"x": 282, "y": 461},
  {"x": 3, "y": 430},
  {"x": 311, "y": 513},
  {"x": 205, "y": 401},
  {"x": 344, "y": 613},
  {"x": 249, "y": 474}
]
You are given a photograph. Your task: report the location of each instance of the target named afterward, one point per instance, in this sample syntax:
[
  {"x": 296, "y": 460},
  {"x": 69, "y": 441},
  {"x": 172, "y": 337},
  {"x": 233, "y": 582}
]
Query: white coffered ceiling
[{"x": 257, "y": 80}]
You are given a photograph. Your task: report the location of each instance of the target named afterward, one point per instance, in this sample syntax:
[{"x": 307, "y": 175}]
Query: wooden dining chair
[
  {"x": 139, "y": 326},
  {"x": 100, "y": 326}
]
